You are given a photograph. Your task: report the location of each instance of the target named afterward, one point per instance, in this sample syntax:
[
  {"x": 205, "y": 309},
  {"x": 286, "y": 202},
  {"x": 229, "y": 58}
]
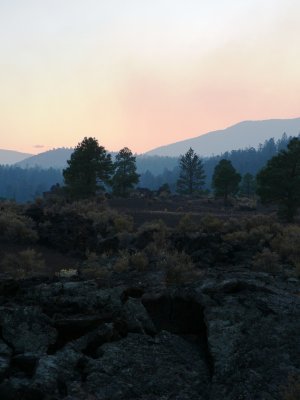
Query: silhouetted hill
[
  {"x": 56, "y": 158},
  {"x": 9, "y": 157},
  {"x": 242, "y": 135}
]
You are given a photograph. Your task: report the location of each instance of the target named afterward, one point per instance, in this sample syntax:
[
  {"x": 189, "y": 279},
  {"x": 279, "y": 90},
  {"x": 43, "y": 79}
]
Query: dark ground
[
  {"x": 229, "y": 333},
  {"x": 172, "y": 209}
]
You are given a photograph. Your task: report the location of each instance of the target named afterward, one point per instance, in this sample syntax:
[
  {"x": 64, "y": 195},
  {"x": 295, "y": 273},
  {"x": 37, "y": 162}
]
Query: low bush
[
  {"x": 186, "y": 224},
  {"x": 210, "y": 223},
  {"x": 122, "y": 262},
  {"x": 125, "y": 260},
  {"x": 287, "y": 244},
  {"x": 17, "y": 228},
  {"x": 157, "y": 230},
  {"x": 104, "y": 219},
  {"x": 95, "y": 266},
  {"x": 257, "y": 221},
  {"x": 179, "y": 268},
  {"x": 266, "y": 261},
  {"x": 24, "y": 264},
  {"x": 251, "y": 234},
  {"x": 139, "y": 261},
  {"x": 122, "y": 223}
]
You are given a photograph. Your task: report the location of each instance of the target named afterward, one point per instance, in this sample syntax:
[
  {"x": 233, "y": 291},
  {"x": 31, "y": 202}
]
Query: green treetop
[
  {"x": 89, "y": 169},
  {"x": 225, "y": 180},
  {"x": 192, "y": 176},
  {"x": 279, "y": 180},
  {"x": 248, "y": 185},
  {"x": 125, "y": 177}
]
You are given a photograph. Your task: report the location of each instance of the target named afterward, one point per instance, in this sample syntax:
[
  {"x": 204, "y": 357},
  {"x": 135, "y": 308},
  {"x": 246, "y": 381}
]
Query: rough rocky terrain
[{"x": 232, "y": 335}]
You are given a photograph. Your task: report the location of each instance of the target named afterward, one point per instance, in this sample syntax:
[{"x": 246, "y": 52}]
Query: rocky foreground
[{"x": 230, "y": 336}]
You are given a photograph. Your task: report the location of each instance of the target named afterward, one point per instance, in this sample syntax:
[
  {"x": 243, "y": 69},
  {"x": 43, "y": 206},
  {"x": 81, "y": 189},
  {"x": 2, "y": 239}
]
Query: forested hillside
[
  {"x": 248, "y": 160},
  {"x": 26, "y": 184}
]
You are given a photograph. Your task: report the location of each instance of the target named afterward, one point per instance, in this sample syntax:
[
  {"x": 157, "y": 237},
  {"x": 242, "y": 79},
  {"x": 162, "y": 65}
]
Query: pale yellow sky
[{"x": 142, "y": 74}]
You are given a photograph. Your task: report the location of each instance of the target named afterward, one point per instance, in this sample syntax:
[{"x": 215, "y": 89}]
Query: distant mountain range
[
  {"x": 242, "y": 135},
  {"x": 9, "y": 157},
  {"x": 56, "y": 158}
]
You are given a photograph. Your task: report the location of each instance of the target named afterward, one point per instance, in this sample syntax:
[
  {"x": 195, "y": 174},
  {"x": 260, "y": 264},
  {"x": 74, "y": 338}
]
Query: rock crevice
[{"x": 223, "y": 338}]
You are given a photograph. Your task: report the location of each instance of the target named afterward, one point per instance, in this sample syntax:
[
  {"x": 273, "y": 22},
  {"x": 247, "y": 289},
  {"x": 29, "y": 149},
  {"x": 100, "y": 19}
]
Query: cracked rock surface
[{"x": 229, "y": 336}]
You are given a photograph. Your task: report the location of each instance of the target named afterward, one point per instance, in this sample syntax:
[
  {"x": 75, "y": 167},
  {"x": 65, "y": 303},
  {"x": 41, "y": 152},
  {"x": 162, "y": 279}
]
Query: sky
[{"x": 141, "y": 73}]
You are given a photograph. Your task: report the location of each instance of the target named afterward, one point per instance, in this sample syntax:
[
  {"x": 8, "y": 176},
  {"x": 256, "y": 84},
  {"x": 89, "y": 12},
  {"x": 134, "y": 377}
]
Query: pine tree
[
  {"x": 248, "y": 185},
  {"x": 192, "y": 176},
  {"x": 279, "y": 180},
  {"x": 89, "y": 169},
  {"x": 225, "y": 179},
  {"x": 125, "y": 176}
]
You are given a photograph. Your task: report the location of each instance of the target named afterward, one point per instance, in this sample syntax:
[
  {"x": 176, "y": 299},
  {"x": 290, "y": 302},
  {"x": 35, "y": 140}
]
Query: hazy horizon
[{"x": 142, "y": 74}]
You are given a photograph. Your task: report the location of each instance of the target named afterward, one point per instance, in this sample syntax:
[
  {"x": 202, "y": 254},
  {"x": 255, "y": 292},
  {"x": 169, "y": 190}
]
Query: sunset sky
[{"x": 143, "y": 73}]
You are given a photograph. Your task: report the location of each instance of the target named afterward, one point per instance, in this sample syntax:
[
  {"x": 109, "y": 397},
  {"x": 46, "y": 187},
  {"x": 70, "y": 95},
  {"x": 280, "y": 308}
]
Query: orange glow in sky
[{"x": 143, "y": 74}]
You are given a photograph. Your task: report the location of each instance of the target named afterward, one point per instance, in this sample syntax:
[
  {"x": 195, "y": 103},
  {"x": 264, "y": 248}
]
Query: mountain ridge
[
  {"x": 55, "y": 158},
  {"x": 10, "y": 157},
  {"x": 243, "y": 134}
]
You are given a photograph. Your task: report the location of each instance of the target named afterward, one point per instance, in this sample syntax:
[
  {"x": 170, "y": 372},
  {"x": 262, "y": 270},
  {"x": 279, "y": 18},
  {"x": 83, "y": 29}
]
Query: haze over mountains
[
  {"x": 242, "y": 135},
  {"x": 9, "y": 157},
  {"x": 56, "y": 158}
]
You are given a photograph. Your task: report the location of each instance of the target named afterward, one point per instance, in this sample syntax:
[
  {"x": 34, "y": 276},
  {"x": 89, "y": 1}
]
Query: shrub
[
  {"x": 259, "y": 220},
  {"x": 123, "y": 223},
  {"x": 233, "y": 225},
  {"x": 261, "y": 235},
  {"x": 153, "y": 250},
  {"x": 251, "y": 233},
  {"x": 75, "y": 207},
  {"x": 104, "y": 219},
  {"x": 125, "y": 239},
  {"x": 238, "y": 237},
  {"x": 122, "y": 262},
  {"x": 109, "y": 221},
  {"x": 96, "y": 272},
  {"x": 24, "y": 264},
  {"x": 211, "y": 224},
  {"x": 266, "y": 261},
  {"x": 17, "y": 228},
  {"x": 186, "y": 224},
  {"x": 179, "y": 268},
  {"x": 158, "y": 229},
  {"x": 287, "y": 244},
  {"x": 95, "y": 266},
  {"x": 139, "y": 261}
]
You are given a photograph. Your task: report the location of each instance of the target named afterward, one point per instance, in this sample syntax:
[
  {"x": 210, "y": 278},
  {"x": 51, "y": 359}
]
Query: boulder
[{"x": 27, "y": 329}]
